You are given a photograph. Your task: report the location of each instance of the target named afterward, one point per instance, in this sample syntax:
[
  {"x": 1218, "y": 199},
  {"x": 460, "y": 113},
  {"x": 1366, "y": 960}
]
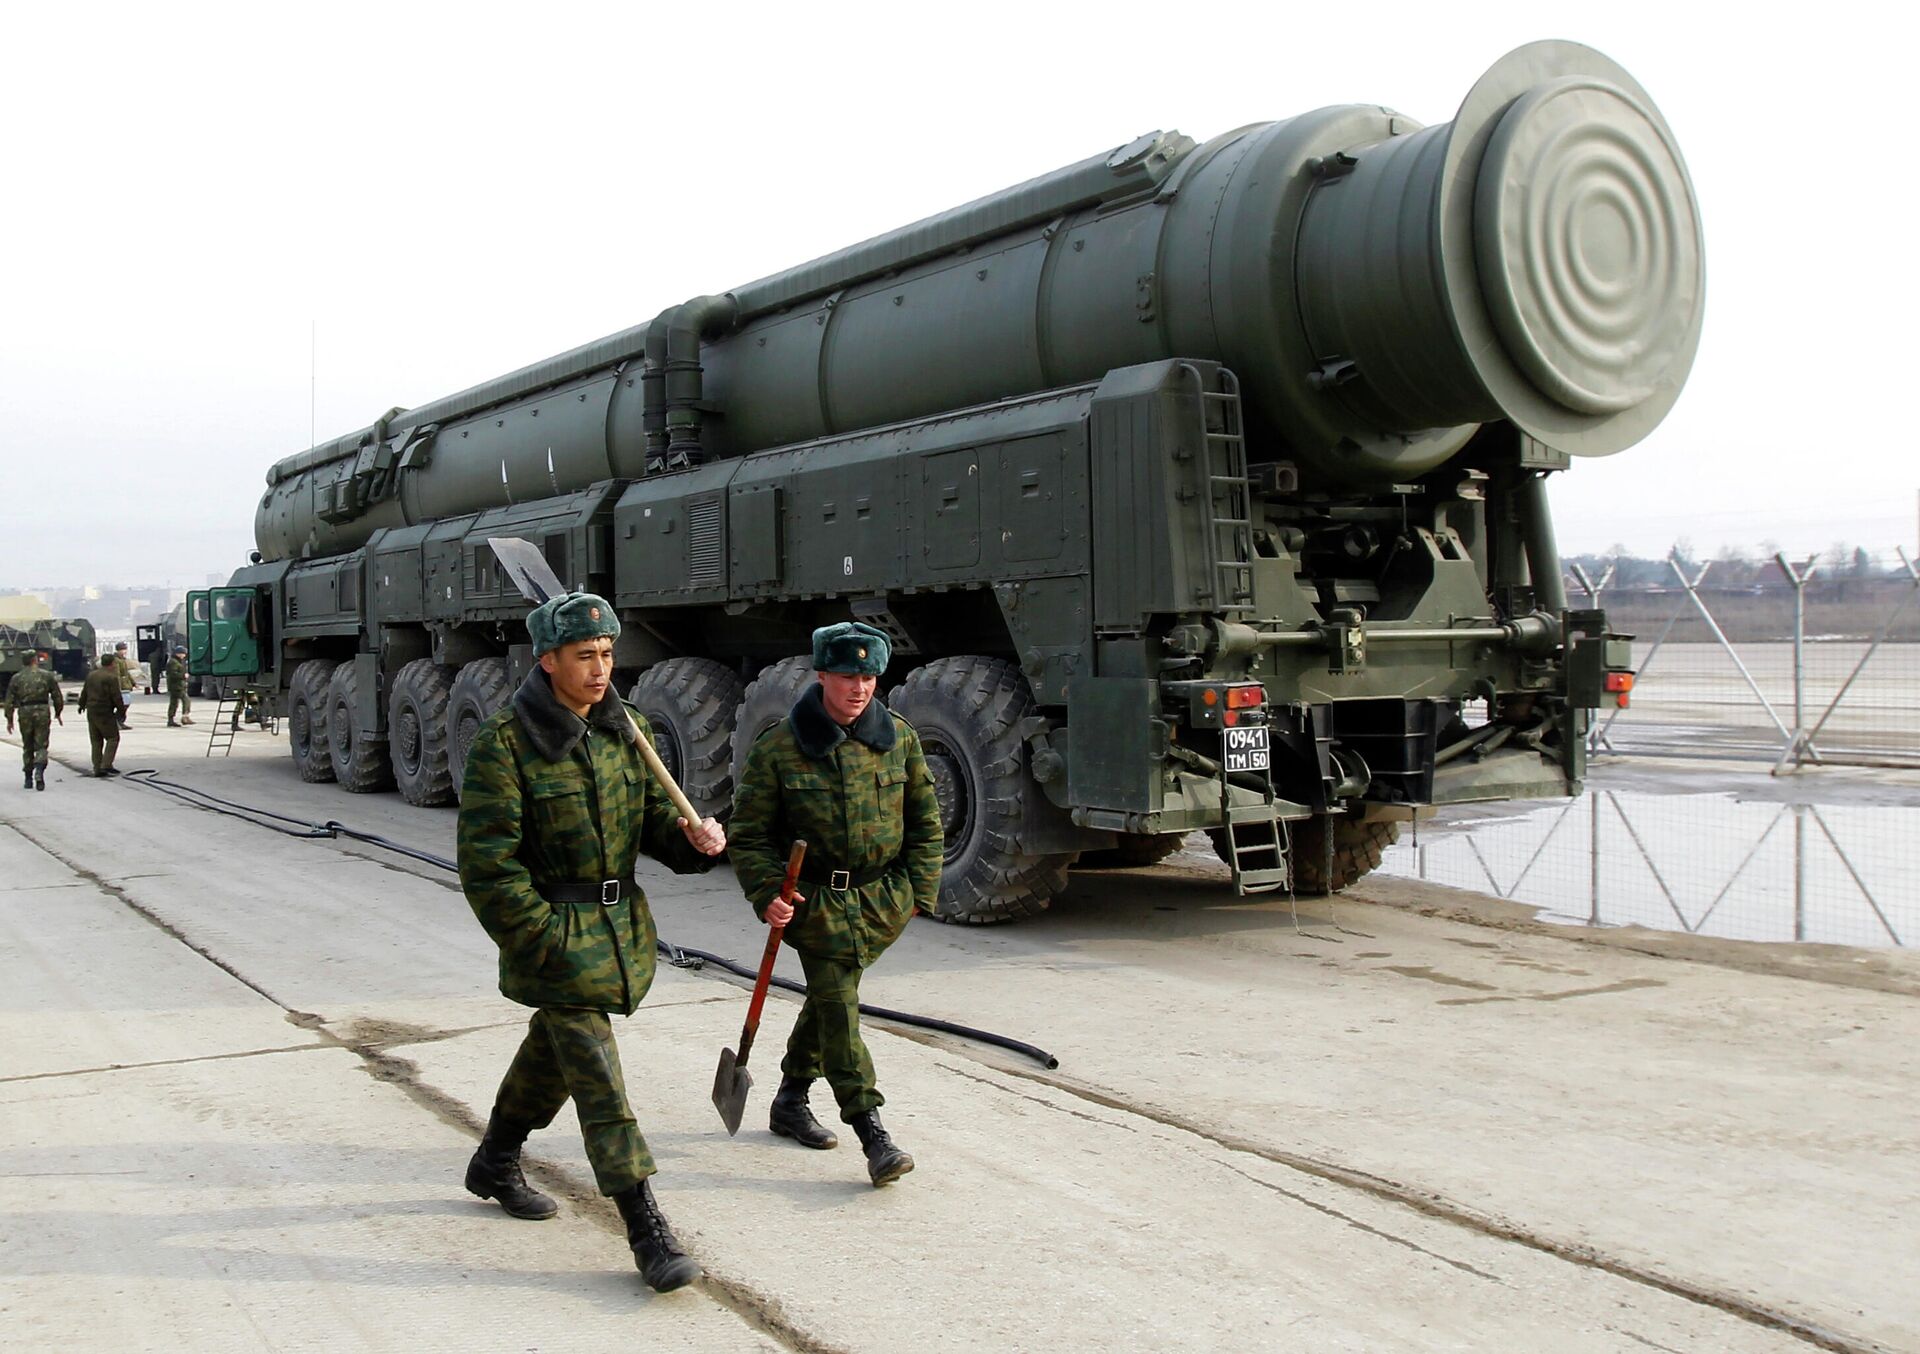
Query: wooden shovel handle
[
  {"x": 659, "y": 772},
  {"x": 760, "y": 985}
]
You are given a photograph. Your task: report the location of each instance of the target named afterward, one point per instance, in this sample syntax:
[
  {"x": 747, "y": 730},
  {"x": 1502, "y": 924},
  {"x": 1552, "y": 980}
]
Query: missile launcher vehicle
[{"x": 1201, "y": 485}]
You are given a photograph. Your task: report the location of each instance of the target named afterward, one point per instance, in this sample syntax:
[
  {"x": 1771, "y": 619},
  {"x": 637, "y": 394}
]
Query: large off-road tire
[
  {"x": 359, "y": 764},
  {"x": 1132, "y": 852},
  {"x": 691, "y": 704},
  {"x": 417, "y": 732},
  {"x": 765, "y": 703},
  {"x": 479, "y": 691},
  {"x": 1358, "y": 847},
  {"x": 307, "y": 719},
  {"x": 967, "y": 712}
]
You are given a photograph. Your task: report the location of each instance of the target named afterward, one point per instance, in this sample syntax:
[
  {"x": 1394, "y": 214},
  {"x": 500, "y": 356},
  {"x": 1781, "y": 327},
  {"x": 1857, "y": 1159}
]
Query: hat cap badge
[{"x": 593, "y": 613}]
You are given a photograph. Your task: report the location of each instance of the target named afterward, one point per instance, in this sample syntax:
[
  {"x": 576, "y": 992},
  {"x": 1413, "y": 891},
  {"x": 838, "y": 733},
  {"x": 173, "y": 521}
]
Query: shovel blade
[{"x": 731, "y": 1083}]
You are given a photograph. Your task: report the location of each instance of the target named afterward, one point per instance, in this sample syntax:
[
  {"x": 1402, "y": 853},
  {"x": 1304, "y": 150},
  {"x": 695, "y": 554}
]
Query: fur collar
[
  {"x": 552, "y": 728},
  {"x": 817, "y": 734}
]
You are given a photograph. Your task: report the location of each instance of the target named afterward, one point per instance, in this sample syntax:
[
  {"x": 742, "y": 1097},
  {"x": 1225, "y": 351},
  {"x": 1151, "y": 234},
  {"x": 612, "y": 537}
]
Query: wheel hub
[
  {"x": 952, "y": 790},
  {"x": 406, "y": 739}
]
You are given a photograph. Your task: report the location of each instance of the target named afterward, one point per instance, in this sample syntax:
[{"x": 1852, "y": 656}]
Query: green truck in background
[
  {"x": 1200, "y": 486},
  {"x": 70, "y": 647}
]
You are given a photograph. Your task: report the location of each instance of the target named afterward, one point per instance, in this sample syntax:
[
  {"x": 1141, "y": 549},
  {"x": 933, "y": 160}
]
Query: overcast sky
[{"x": 443, "y": 193}]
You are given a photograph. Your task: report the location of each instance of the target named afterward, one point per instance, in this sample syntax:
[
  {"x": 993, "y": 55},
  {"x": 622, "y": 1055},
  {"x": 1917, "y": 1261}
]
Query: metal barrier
[
  {"x": 1702, "y": 864},
  {"x": 1850, "y": 654}
]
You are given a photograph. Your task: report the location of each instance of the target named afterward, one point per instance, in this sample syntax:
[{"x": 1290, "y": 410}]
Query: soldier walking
[
  {"x": 555, "y": 808},
  {"x": 128, "y": 680},
  {"x": 177, "y": 698},
  {"x": 34, "y": 697},
  {"x": 847, "y": 774},
  {"x": 101, "y": 702}
]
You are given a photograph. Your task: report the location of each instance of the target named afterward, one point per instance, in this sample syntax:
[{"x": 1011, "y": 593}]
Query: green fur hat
[
  {"x": 851, "y": 648},
  {"x": 569, "y": 619}
]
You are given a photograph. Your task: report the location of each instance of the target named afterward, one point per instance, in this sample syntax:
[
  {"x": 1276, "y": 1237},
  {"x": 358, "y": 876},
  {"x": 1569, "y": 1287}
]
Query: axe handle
[
  {"x": 760, "y": 984},
  {"x": 659, "y": 772}
]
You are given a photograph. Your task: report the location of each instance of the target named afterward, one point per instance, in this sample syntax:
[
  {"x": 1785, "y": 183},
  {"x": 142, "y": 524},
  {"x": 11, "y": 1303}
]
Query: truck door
[
  {"x": 235, "y": 633},
  {"x": 199, "y": 634}
]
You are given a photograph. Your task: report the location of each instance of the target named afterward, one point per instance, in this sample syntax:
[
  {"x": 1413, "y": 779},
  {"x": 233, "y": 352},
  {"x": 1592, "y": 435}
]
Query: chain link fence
[
  {"x": 1704, "y": 864},
  {"x": 1799, "y": 662}
]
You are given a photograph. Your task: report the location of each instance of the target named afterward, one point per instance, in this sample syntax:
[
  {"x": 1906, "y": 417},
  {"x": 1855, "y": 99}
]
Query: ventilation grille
[{"x": 703, "y": 543}]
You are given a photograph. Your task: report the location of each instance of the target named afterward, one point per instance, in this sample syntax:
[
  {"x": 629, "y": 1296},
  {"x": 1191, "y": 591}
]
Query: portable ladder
[{"x": 221, "y": 735}]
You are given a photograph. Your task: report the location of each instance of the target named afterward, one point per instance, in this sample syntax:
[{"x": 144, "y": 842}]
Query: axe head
[{"x": 731, "y": 1082}]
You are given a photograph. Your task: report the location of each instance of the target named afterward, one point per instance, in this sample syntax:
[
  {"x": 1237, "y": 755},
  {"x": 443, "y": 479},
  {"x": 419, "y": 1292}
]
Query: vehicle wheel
[
  {"x": 479, "y": 691},
  {"x": 691, "y": 704},
  {"x": 765, "y": 703},
  {"x": 417, "y": 732},
  {"x": 1358, "y": 847},
  {"x": 1132, "y": 852},
  {"x": 967, "y": 712},
  {"x": 359, "y": 764},
  {"x": 307, "y": 719}
]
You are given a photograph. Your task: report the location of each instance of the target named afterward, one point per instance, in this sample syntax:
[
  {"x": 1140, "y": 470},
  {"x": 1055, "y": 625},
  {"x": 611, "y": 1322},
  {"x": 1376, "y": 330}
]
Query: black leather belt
[
  {"x": 846, "y": 879},
  {"x": 606, "y": 893}
]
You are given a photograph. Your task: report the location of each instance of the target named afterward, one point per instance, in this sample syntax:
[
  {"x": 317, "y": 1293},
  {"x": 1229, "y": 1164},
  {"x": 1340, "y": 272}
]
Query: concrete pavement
[{"x": 244, "y": 1071}]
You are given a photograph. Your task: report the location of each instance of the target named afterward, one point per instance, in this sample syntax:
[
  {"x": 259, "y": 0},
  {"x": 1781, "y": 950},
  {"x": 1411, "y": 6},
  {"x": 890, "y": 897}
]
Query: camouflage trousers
[
  {"x": 36, "y": 723},
  {"x": 570, "y": 1053},
  {"x": 826, "y": 1038},
  {"x": 103, "y": 734},
  {"x": 177, "y": 699}
]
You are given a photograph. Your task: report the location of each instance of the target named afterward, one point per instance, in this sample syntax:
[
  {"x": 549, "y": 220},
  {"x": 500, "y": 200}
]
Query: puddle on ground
[{"x": 1705, "y": 864}]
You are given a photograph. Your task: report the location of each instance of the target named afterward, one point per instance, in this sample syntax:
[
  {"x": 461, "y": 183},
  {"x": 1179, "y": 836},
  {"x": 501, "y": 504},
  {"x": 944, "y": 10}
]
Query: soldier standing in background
[
  {"x": 847, "y": 774},
  {"x": 128, "y": 681},
  {"x": 34, "y": 696},
  {"x": 101, "y": 702},
  {"x": 177, "y": 698},
  {"x": 555, "y": 808}
]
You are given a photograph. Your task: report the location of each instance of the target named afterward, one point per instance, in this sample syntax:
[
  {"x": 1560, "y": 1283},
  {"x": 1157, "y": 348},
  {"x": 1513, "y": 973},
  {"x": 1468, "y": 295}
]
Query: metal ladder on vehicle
[
  {"x": 1256, "y": 839},
  {"x": 1258, "y": 852},
  {"x": 222, "y": 733},
  {"x": 1223, "y": 467}
]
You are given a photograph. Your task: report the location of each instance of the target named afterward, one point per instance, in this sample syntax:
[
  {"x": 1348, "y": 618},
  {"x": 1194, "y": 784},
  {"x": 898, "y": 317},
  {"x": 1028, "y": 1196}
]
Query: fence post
[{"x": 1800, "y": 747}]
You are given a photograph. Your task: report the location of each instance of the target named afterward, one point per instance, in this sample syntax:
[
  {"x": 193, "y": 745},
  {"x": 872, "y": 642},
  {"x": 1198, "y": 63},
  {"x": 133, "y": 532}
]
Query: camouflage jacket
[
  {"x": 863, "y": 803},
  {"x": 176, "y": 675},
  {"x": 34, "y": 686},
  {"x": 126, "y": 669},
  {"x": 550, "y": 798},
  {"x": 100, "y": 693}
]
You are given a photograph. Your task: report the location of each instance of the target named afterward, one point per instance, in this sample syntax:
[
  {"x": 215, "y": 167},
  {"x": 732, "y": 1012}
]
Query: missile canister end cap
[{"x": 1573, "y": 248}]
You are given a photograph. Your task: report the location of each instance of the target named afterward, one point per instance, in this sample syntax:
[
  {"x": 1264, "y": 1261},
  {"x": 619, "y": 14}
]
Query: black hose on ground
[{"x": 678, "y": 956}]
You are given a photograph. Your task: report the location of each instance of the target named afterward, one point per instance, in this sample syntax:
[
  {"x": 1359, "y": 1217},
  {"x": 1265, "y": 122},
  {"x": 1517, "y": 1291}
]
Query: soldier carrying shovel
[
  {"x": 846, "y": 774},
  {"x": 556, "y": 806}
]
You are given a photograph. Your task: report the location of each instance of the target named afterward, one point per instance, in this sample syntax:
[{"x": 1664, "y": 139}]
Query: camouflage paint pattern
[
  {"x": 28, "y": 695},
  {"x": 571, "y": 1054},
  {"x": 858, "y": 810},
  {"x": 826, "y": 1038},
  {"x": 576, "y": 821}
]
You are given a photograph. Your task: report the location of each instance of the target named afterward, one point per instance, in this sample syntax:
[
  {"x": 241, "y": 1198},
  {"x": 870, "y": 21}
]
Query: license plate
[{"x": 1247, "y": 749}]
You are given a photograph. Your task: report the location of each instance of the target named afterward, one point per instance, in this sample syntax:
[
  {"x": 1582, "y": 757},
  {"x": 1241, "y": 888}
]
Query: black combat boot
[
  {"x": 885, "y": 1162},
  {"x": 494, "y": 1172},
  {"x": 791, "y": 1116},
  {"x": 658, "y": 1256},
  {"x": 39, "y": 777},
  {"x": 29, "y": 784}
]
